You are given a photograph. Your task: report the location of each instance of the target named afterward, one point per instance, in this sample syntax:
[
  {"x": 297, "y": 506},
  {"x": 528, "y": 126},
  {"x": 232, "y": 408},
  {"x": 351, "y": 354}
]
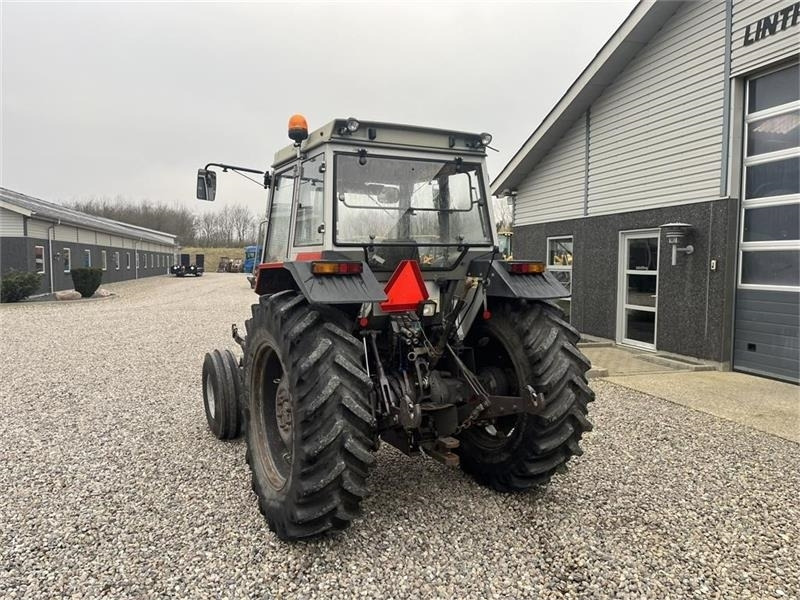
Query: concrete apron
[{"x": 764, "y": 404}]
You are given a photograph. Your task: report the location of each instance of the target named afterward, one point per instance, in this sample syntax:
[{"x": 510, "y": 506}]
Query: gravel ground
[{"x": 113, "y": 486}]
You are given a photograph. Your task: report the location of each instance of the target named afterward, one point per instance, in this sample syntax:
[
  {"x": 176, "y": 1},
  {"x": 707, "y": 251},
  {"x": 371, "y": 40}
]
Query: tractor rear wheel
[
  {"x": 527, "y": 343},
  {"x": 308, "y": 419}
]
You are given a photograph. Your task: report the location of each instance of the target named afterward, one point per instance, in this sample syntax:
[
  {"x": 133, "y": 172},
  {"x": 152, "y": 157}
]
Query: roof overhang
[
  {"x": 17, "y": 209},
  {"x": 634, "y": 33}
]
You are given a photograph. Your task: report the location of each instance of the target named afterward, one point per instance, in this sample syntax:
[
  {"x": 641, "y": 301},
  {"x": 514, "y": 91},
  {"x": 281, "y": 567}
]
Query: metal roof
[
  {"x": 379, "y": 134},
  {"x": 47, "y": 211},
  {"x": 645, "y": 20}
]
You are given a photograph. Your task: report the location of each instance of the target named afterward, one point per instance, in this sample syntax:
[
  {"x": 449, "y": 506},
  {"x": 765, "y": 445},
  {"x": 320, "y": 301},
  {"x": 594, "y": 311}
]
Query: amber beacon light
[{"x": 298, "y": 128}]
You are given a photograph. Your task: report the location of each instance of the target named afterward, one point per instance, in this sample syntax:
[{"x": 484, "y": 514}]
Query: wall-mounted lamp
[{"x": 676, "y": 234}]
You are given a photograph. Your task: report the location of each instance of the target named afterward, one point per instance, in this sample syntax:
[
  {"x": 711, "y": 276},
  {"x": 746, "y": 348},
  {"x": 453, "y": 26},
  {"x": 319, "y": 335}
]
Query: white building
[{"x": 690, "y": 113}]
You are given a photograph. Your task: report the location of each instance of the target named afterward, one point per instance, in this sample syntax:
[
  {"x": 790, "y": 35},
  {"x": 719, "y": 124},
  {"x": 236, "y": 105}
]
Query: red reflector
[
  {"x": 363, "y": 322},
  {"x": 487, "y": 315},
  {"x": 405, "y": 289},
  {"x": 308, "y": 256}
]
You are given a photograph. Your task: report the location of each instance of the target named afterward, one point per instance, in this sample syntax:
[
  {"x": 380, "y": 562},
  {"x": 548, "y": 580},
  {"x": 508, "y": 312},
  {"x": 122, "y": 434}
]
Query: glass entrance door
[{"x": 638, "y": 288}]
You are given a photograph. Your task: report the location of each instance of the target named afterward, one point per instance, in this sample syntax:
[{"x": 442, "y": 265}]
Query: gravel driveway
[{"x": 113, "y": 486}]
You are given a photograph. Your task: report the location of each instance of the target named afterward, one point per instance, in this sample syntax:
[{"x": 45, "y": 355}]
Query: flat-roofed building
[{"x": 50, "y": 239}]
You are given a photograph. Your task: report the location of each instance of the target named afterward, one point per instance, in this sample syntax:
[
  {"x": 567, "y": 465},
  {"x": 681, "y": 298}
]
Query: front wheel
[
  {"x": 308, "y": 420},
  {"x": 527, "y": 343}
]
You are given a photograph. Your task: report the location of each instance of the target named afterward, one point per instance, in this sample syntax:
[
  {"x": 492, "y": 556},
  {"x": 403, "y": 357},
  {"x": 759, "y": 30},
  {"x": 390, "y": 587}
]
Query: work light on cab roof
[{"x": 386, "y": 311}]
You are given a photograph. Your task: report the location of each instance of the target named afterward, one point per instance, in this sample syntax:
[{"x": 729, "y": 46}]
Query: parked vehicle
[
  {"x": 252, "y": 254},
  {"x": 185, "y": 267},
  {"x": 385, "y": 311}
]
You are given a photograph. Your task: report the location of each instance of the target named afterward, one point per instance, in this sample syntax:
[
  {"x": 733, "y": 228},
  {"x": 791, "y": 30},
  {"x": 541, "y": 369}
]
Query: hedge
[
  {"x": 16, "y": 286},
  {"x": 87, "y": 280}
]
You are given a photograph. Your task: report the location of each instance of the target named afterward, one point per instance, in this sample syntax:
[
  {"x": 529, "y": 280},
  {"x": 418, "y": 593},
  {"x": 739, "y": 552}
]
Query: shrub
[
  {"x": 17, "y": 286},
  {"x": 87, "y": 280}
]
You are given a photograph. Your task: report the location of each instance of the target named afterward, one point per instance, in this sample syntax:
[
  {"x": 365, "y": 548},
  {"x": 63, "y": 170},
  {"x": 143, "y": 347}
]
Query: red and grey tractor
[{"x": 385, "y": 312}]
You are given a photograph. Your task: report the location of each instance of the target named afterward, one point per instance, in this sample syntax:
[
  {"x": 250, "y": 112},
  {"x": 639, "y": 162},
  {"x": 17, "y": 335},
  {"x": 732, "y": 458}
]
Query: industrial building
[
  {"x": 50, "y": 239},
  {"x": 664, "y": 186}
]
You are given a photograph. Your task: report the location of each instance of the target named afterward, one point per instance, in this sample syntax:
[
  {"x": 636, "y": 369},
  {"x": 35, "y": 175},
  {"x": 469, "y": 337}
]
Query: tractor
[{"x": 386, "y": 312}]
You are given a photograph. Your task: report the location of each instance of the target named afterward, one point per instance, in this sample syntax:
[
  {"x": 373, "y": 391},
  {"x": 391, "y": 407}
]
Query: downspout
[
  {"x": 52, "y": 229},
  {"x": 136, "y": 258}
]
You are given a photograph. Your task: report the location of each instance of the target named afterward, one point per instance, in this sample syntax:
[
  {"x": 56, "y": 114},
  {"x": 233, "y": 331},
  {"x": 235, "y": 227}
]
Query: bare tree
[{"x": 241, "y": 220}]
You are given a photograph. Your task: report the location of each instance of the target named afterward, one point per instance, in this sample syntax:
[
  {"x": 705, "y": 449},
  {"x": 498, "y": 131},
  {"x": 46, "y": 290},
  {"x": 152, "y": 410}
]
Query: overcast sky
[{"x": 108, "y": 99}]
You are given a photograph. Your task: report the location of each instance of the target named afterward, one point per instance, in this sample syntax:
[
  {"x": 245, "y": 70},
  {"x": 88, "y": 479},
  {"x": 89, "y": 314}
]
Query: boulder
[
  {"x": 103, "y": 293},
  {"x": 68, "y": 295}
]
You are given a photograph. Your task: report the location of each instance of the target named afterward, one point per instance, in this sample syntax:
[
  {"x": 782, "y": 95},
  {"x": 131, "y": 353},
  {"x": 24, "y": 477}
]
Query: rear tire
[
  {"x": 308, "y": 419},
  {"x": 535, "y": 346},
  {"x": 221, "y": 391}
]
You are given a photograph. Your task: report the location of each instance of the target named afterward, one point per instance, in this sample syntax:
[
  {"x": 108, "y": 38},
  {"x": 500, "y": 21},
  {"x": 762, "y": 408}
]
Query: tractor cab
[
  {"x": 377, "y": 193},
  {"x": 381, "y": 193}
]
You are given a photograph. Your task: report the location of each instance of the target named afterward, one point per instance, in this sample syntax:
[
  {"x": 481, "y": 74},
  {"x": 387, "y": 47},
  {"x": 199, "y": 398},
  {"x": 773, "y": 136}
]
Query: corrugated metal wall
[
  {"x": 65, "y": 233},
  {"x": 554, "y": 190},
  {"x": 11, "y": 224},
  {"x": 87, "y": 237},
  {"x": 656, "y": 131},
  {"x": 780, "y": 45},
  {"x": 38, "y": 229}
]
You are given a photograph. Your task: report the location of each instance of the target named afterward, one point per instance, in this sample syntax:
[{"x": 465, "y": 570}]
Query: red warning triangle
[{"x": 406, "y": 288}]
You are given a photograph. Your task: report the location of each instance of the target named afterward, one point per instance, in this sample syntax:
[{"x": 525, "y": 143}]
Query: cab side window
[
  {"x": 279, "y": 215},
  {"x": 308, "y": 229}
]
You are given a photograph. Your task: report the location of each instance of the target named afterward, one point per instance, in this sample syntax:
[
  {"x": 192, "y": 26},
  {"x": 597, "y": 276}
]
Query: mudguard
[
  {"x": 534, "y": 286},
  {"x": 319, "y": 289}
]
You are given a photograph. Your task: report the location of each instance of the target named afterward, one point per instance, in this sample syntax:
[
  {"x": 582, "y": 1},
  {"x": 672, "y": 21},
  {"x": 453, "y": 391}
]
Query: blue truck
[{"x": 252, "y": 256}]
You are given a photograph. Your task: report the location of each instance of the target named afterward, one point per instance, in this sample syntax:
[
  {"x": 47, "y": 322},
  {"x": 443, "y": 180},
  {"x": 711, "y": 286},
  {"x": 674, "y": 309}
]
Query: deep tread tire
[
  {"x": 543, "y": 352},
  {"x": 221, "y": 378},
  {"x": 333, "y": 428}
]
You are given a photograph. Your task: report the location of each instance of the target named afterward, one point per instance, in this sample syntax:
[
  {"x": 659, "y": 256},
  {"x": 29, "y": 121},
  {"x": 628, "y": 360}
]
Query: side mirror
[{"x": 206, "y": 185}]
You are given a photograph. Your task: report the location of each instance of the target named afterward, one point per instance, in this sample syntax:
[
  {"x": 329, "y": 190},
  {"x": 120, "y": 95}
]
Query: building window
[
  {"x": 144, "y": 260},
  {"x": 104, "y": 260},
  {"x": 559, "y": 263},
  {"x": 770, "y": 232},
  {"x": 67, "y": 254},
  {"x": 87, "y": 258},
  {"x": 128, "y": 260},
  {"x": 116, "y": 261},
  {"x": 38, "y": 259},
  {"x": 152, "y": 261}
]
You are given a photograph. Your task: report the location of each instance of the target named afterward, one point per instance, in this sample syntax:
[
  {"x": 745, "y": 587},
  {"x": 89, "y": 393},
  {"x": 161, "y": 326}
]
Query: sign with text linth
[{"x": 772, "y": 24}]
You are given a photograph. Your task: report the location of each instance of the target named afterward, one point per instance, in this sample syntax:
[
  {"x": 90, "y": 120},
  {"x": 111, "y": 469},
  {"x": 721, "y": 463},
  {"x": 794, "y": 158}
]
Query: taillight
[
  {"x": 524, "y": 268},
  {"x": 336, "y": 268}
]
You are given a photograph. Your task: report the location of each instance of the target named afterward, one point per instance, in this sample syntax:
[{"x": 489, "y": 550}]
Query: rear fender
[
  {"x": 319, "y": 289},
  {"x": 502, "y": 284}
]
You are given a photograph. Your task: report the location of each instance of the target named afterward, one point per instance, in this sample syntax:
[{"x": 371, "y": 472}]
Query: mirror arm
[{"x": 224, "y": 167}]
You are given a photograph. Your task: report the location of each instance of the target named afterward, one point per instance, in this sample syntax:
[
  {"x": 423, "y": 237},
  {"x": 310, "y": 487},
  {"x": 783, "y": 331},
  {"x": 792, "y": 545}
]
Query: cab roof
[{"x": 387, "y": 135}]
